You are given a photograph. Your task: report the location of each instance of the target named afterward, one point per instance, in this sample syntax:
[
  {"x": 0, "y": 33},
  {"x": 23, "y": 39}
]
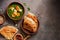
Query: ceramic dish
[
  {"x": 18, "y": 36},
  {"x": 2, "y": 19},
  {"x": 15, "y": 11}
]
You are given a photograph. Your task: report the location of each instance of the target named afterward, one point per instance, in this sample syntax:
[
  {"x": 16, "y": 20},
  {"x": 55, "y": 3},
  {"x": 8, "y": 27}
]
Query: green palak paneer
[{"x": 15, "y": 11}]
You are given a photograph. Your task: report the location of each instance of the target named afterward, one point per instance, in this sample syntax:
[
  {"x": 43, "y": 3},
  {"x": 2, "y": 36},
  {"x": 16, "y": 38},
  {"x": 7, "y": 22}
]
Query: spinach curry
[{"x": 15, "y": 11}]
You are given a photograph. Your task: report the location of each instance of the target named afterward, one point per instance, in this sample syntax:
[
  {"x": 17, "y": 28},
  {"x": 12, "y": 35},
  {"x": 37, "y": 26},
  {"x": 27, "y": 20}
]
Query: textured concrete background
[{"x": 48, "y": 13}]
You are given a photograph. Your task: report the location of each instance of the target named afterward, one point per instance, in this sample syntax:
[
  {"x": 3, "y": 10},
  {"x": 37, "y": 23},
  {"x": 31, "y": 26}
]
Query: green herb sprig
[{"x": 26, "y": 6}]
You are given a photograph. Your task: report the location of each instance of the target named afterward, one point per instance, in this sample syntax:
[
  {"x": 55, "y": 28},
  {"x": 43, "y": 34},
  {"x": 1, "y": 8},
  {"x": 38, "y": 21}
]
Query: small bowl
[
  {"x": 18, "y": 4},
  {"x": 18, "y": 37},
  {"x": 3, "y": 18}
]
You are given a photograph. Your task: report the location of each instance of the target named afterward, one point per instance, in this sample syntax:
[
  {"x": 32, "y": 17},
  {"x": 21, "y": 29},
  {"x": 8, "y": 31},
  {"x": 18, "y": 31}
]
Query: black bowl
[{"x": 18, "y": 4}]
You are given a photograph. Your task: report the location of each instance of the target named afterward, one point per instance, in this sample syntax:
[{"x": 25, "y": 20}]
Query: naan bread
[
  {"x": 8, "y": 31},
  {"x": 30, "y": 22}
]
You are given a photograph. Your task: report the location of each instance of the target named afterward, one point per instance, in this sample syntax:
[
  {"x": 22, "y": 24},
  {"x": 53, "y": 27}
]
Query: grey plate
[{"x": 48, "y": 13}]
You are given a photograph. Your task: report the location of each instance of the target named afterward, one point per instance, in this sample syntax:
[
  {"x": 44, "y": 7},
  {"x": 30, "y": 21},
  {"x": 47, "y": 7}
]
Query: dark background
[{"x": 48, "y": 13}]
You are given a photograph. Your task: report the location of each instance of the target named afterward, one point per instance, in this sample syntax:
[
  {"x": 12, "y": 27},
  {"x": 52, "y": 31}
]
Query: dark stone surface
[{"x": 48, "y": 13}]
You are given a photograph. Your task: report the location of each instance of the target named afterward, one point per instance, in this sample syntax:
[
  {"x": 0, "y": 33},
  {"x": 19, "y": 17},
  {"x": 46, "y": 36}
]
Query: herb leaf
[
  {"x": 28, "y": 8},
  {"x": 25, "y": 4}
]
